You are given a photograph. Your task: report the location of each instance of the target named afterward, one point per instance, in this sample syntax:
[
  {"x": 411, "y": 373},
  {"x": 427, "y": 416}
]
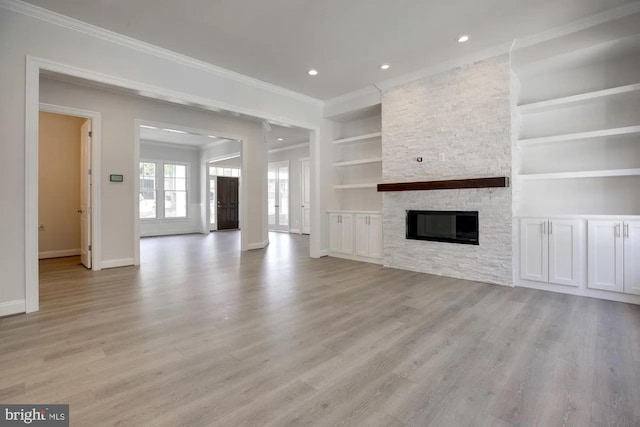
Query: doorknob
[{"x": 79, "y": 211}]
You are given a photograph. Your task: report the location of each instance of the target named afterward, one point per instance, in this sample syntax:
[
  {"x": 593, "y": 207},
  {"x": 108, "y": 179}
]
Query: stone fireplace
[{"x": 459, "y": 123}]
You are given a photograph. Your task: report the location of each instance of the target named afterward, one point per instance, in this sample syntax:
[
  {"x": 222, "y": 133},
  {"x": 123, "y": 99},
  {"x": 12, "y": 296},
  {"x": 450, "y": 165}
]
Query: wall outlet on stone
[{"x": 442, "y": 157}]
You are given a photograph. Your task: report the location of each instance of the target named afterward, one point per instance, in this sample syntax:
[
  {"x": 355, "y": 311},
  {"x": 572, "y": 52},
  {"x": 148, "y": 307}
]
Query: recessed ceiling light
[
  {"x": 385, "y": 66},
  {"x": 174, "y": 131},
  {"x": 312, "y": 72},
  {"x": 280, "y": 139},
  {"x": 148, "y": 127},
  {"x": 463, "y": 38},
  {"x": 212, "y": 136}
]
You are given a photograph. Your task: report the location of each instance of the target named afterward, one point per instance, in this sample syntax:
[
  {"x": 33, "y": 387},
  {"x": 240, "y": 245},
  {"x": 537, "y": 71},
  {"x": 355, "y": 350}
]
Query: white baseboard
[
  {"x": 582, "y": 291},
  {"x": 12, "y": 307},
  {"x": 261, "y": 245},
  {"x": 355, "y": 258},
  {"x": 294, "y": 231},
  {"x": 114, "y": 263},
  {"x": 324, "y": 252},
  {"x": 59, "y": 254},
  {"x": 170, "y": 233}
]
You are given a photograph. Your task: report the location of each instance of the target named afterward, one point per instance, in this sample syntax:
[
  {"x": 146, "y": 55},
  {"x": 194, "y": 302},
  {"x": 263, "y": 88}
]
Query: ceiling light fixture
[
  {"x": 174, "y": 131},
  {"x": 212, "y": 136},
  {"x": 463, "y": 38},
  {"x": 385, "y": 66},
  {"x": 280, "y": 139},
  {"x": 148, "y": 127},
  {"x": 312, "y": 72}
]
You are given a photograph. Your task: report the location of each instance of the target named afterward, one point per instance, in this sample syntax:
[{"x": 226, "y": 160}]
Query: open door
[
  {"x": 85, "y": 193},
  {"x": 305, "y": 198}
]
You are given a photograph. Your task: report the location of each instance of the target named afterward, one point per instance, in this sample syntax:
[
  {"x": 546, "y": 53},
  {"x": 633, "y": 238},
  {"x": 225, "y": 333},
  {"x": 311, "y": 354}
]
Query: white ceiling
[{"x": 279, "y": 40}]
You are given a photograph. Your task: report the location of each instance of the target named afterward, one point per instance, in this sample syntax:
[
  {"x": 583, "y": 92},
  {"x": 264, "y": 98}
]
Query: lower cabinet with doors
[
  {"x": 362, "y": 242},
  {"x": 614, "y": 256},
  {"x": 552, "y": 250}
]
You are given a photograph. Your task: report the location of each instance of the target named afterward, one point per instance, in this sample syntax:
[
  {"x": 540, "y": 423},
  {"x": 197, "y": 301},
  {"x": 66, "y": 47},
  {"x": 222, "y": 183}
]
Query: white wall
[
  {"x": 164, "y": 153},
  {"x": 293, "y": 157},
  {"x": 59, "y": 185},
  {"x": 118, "y": 135},
  {"x": 465, "y": 114},
  {"x": 81, "y": 48}
]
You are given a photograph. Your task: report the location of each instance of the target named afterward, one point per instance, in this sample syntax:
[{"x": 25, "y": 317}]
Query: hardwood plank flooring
[{"x": 202, "y": 335}]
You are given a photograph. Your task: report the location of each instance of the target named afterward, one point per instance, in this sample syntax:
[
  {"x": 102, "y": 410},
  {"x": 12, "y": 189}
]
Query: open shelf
[
  {"x": 349, "y": 186},
  {"x": 359, "y": 162},
  {"x": 582, "y": 174},
  {"x": 358, "y": 138},
  {"x": 538, "y": 107},
  {"x": 580, "y": 135}
]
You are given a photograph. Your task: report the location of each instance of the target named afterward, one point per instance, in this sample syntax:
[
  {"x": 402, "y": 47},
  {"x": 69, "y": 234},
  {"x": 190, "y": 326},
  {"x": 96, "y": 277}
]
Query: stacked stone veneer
[{"x": 465, "y": 115}]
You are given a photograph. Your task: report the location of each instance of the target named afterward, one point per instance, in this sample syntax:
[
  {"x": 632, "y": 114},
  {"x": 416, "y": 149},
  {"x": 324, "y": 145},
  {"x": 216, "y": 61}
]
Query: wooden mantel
[{"x": 449, "y": 184}]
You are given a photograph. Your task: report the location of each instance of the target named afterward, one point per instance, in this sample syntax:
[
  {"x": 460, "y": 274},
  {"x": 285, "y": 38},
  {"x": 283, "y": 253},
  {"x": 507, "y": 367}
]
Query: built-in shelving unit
[
  {"x": 357, "y": 162},
  {"x": 579, "y": 121},
  {"x": 582, "y": 174},
  {"x": 580, "y": 135},
  {"x": 551, "y": 104},
  {"x": 359, "y": 138},
  {"x": 355, "y": 186}
]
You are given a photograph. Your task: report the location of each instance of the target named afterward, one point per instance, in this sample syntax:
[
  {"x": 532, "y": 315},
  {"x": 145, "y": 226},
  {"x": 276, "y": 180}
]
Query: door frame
[
  {"x": 300, "y": 162},
  {"x": 32, "y": 295},
  {"x": 288, "y": 226}
]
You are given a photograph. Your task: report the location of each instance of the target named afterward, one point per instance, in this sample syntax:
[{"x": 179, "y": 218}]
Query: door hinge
[
  {"x": 89, "y": 247},
  {"x": 89, "y": 171},
  {"x": 90, "y": 134}
]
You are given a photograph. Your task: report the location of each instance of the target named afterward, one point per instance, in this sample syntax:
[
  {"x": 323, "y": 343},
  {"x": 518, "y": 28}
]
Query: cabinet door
[
  {"x": 605, "y": 255},
  {"x": 632, "y": 257},
  {"x": 335, "y": 234},
  {"x": 346, "y": 233},
  {"x": 375, "y": 236},
  {"x": 565, "y": 259},
  {"x": 362, "y": 235},
  {"x": 534, "y": 249}
]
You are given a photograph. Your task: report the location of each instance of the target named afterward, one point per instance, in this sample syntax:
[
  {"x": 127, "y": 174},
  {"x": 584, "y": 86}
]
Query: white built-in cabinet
[
  {"x": 614, "y": 256},
  {"x": 341, "y": 233},
  {"x": 356, "y": 235},
  {"x": 369, "y": 235},
  {"x": 550, "y": 250}
]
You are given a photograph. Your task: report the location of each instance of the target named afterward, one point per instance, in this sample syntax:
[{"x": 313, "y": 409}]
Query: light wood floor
[{"x": 200, "y": 335}]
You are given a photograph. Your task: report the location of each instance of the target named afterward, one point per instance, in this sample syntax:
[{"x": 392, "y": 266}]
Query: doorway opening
[
  {"x": 278, "y": 196},
  {"x": 67, "y": 193},
  {"x": 224, "y": 191}
]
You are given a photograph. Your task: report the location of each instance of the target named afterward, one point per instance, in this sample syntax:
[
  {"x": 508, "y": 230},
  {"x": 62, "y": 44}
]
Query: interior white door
[
  {"x": 278, "y": 196},
  {"x": 305, "y": 196},
  {"x": 605, "y": 263},
  {"x": 534, "y": 249},
  {"x": 565, "y": 237},
  {"x": 85, "y": 193},
  {"x": 632, "y": 257}
]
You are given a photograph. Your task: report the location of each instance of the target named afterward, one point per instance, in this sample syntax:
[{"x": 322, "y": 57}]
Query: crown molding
[
  {"x": 122, "y": 40},
  {"x": 174, "y": 145},
  {"x": 289, "y": 147}
]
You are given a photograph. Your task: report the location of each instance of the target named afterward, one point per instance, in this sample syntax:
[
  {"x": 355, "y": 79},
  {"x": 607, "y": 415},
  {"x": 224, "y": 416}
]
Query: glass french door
[{"x": 278, "y": 196}]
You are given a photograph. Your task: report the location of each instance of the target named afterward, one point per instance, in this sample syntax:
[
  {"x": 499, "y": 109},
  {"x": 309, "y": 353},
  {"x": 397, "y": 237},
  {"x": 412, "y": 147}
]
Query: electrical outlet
[
  {"x": 442, "y": 157},
  {"x": 41, "y": 227}
]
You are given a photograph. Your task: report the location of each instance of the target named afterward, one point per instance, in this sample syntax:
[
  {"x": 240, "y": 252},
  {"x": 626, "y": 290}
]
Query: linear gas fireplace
[{"x": 443, "y": 226}]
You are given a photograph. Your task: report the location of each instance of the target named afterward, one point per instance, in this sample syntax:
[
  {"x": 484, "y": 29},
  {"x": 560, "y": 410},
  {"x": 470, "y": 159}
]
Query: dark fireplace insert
[{"x": 443, "y": 226}]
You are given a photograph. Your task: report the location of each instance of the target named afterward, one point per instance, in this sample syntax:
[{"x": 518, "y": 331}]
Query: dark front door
[{"x": 227, "y": 203}]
